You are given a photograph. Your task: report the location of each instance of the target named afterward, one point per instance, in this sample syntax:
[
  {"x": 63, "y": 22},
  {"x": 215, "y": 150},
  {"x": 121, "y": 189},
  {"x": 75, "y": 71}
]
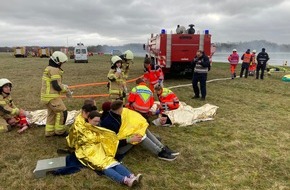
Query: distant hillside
[
  {"x": 137, "y": 48},
  {"x": 257, "y": 44}
]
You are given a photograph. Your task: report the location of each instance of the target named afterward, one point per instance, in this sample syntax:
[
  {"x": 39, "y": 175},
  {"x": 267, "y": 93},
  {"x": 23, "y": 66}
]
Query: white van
[{"x": 81, "y": 53}]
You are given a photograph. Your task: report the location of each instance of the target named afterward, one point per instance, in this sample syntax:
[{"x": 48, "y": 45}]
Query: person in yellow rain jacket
[
  {"x": 52, "y": 88},
  {"x": 131, "y": 129},
  {"x": 10, "y": 115},
  {"x": 117, "y": 79},
  {"x": 96, "y": 148}
]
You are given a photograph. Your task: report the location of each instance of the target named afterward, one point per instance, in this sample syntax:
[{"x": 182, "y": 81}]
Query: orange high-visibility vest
[
  {"x": 140, "y": 98},
  {"x": 247, "y": 58}
]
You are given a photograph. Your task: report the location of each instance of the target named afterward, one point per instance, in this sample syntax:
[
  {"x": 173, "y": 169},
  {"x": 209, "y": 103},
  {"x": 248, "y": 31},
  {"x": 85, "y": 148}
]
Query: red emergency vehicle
[{"x": 174, "y": 52}]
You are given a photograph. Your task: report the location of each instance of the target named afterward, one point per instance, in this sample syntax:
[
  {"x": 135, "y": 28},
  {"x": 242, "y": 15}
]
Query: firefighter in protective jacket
[
  {"x": 12, "y": 115},
  {"x": 117, "y": 79},
  {"x": 168, "y": 100},
  {"x": 52, "y": 88},
  {"x": 140, "y": 98},
  {"x": 153, "y": 73},
  {"x": 127, "y": 58}
]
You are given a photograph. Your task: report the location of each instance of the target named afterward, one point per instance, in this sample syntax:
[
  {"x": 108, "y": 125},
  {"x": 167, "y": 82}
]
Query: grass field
[{"x": 247, "y": 146}]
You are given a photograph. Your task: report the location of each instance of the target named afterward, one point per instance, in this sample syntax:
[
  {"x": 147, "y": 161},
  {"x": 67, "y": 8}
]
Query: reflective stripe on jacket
[
  {"x": 8, "y": 108},
  {"x": 47, "y": 91},
  {"x": 141, "y": 98},
  {"x": 168, "y": 100}
]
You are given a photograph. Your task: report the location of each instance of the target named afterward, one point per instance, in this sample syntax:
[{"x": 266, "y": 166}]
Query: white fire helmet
[
  {"x": 4, "y": 81},
  {"x": 58, "y": 57},
  {"x": 115, "y": 59},
  {"x": 128, "y": 55}
]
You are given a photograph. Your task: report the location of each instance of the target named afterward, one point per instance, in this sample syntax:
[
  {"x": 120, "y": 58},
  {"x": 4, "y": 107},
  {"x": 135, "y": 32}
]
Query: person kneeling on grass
[
  {"x": 96, "y": 149},
  {"x": 8, "y": 111},
  {"x": 168, "y": 100},
  {"x": 131, "y": 128}
]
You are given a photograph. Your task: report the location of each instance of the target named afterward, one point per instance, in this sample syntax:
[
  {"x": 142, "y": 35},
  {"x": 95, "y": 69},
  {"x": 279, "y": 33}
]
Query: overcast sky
[{"x": 117, "y": 22}]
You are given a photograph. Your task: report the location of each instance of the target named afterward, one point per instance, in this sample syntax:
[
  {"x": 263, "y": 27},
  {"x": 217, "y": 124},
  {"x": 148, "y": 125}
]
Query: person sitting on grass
[
  {"x": 14, "y": 116},
  {"x": 131, "y": 128},
  {"x": 96, "y": 148},
  {"x": 80, "y": 120}
]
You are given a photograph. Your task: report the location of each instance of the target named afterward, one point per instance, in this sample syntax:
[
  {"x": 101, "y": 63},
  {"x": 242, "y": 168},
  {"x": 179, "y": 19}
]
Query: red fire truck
[{"x": 174, "y": 52}]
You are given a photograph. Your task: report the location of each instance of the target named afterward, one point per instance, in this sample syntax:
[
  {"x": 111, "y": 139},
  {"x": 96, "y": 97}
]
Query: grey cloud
[{"x": 116, "y": 22}]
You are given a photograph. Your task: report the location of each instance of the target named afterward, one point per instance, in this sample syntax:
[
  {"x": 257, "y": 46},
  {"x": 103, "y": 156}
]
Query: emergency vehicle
[
  {"x": 44, "y": 52},
  {"x": 81, "y": 53},
  {"x": 174, "y": 52},
  {"x": 20, "y": 52}
]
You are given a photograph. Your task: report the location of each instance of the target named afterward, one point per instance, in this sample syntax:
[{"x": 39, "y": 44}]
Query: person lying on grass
[{"x": 96, "y": 148}]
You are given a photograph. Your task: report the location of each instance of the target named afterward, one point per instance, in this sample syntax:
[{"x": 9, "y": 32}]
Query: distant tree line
[{"x": 221, "y": 47}]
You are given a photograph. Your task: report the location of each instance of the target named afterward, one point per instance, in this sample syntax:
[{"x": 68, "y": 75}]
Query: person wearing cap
[
  {"x": 168, "y": 100},
  {"x": 140, "y": 98},
  {"x": 10, "y": 115},
  {"x": 262, "y": 60},
  {"x": 51, "y": 91},
  {"x": 117, "y": 79},
  {"x": 132, "y": 129},
  {"x": 201, "y": 66},
  {"x": 234, "y": 60},
  {"x": 252, "y": 68},
  {"x": 153, "y": 73},
  {"x": 246, "y": 58}
]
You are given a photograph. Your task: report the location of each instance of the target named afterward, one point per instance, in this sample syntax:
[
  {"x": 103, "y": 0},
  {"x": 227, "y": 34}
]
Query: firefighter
[
  {"x": 153, "y": 73},
  {"x": 52, "y": 88},
  {"x": 140, "y": 98},
  {"x": 262, "y": 59},
  {"x": 234, "y": 60},
  {"x": 247, "y": 56},
  {"x": 201, "y": 66},
  {"x": 127, "y": 58},
  {"x": 252, "y": 68},
  {"x": 168, "y": 100},
  {"x": 11, "y": 115},
  {"x": 117, "y": 79}
]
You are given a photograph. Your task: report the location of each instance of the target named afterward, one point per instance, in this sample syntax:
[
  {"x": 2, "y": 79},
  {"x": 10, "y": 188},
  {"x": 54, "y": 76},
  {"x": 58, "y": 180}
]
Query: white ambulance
[{"x": 81, "y": 53}]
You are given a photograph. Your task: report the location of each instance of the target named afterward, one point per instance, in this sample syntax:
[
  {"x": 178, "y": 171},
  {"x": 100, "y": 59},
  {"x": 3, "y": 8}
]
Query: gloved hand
[{"x": 65, "y": 87}]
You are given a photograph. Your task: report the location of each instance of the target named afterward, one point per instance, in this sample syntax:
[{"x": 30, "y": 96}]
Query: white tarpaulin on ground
[
  {"x": 38, "y": 117},
  {"x": 186, "y": 115}
]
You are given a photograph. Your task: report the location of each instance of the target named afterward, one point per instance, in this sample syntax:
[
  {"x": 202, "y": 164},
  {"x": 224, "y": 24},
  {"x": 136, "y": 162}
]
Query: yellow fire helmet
[
  {"x": 115, "y": 59},
  {"x": 4, "y": 81},
  {"x": 58, "y": 57},
  {"x": 128, "y": 55}
]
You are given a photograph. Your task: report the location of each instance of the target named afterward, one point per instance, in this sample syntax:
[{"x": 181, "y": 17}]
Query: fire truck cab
[{"x": 174, "y": 52}]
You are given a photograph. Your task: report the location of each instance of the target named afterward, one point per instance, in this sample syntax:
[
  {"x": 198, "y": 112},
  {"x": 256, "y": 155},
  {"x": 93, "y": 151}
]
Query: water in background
[{"x": 276, "y": 58}]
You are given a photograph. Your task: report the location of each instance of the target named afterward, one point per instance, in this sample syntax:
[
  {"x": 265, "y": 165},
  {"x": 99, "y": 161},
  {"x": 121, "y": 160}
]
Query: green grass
[{"x": 247, "y": 146}]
